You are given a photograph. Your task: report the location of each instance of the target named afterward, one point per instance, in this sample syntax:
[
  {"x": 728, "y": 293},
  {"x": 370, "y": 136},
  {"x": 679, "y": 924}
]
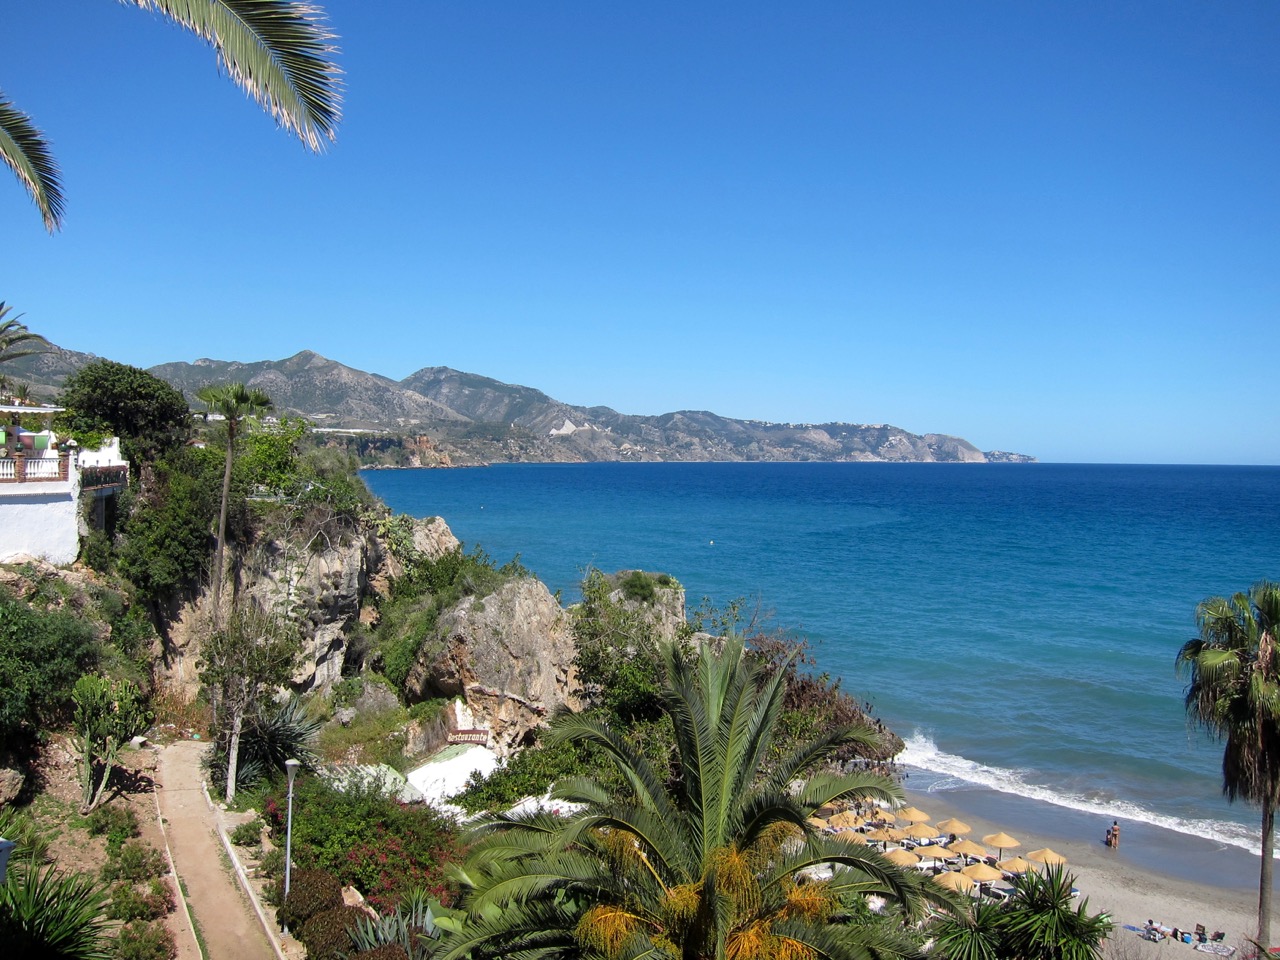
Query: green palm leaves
[
  {"x": 711, "y": 859},
  {"x": 277, "y": 51},
  {"x": 15, "y": 339},
  {"x": 1234, "y": 694}
]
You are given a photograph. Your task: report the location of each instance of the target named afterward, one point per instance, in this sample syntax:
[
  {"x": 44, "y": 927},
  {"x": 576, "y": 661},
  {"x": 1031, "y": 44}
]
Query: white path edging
[
  {"x": 267, "y": 926},
  {"x": 173, "y": 872}
]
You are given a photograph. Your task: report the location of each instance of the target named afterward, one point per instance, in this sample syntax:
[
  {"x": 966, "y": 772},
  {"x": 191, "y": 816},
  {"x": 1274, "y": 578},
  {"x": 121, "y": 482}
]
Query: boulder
[
  {"x": 12, "y": 780},
  {"x": 509, "y": 656}
]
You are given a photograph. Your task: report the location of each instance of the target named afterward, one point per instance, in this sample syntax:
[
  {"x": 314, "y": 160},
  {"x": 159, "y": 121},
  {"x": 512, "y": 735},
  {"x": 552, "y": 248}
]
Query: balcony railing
[
  {"x": 97, "y": 478},
  {"x": 33, "y": 469}
]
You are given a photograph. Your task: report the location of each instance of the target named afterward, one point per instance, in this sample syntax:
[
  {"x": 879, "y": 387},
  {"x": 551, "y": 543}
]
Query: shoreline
[{"x": 1156, "y": 874}]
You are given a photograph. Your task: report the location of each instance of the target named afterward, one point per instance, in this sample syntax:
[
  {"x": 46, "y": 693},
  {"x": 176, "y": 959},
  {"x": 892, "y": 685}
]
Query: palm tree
[
  {"x": 277, "y": 51},
  {"x": 234, "y": 401},
  {"x": 15, "y": 339},
  {"x": 715, "y": 860},
  {"x": 1040, "y": 920},
  {"x": 1234, "y": 694}
]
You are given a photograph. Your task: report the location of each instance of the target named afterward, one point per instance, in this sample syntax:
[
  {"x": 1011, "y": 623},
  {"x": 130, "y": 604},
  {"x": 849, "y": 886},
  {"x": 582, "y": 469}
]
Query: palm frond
[
  {"x": 279, "y": 52},
  {"x": 26, "y": 152}
]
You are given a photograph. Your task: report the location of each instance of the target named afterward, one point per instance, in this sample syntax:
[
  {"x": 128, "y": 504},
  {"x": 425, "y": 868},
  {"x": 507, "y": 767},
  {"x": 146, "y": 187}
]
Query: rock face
[
  {"x": 666, "y": 612},
  {"x": 508, "y": 655}
]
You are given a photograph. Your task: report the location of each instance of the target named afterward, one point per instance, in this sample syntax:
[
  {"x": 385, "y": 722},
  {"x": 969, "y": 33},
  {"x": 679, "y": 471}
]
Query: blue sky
[{"x": 1044, "y": 227}]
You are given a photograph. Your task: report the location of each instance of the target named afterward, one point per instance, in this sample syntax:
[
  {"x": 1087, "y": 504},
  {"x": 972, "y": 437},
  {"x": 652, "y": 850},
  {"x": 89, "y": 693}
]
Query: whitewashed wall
[{"x": 39, "y": 520}]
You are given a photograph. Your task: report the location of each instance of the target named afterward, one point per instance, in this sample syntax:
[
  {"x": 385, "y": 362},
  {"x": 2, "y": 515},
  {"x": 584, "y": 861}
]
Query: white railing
[
  {"x": 7, "y": 471},
  {"x": 43, "y": 468}
]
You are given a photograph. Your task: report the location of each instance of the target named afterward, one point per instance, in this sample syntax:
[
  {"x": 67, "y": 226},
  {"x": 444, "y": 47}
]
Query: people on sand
[
  {"x": 1110, "y": 836},
  {"x": 1115, "y": 833}
]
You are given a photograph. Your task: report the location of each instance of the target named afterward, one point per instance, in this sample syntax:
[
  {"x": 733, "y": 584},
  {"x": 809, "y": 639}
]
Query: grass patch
[
  {"x": 196, "y": 929},
  {"x": 371, "y": 738}
]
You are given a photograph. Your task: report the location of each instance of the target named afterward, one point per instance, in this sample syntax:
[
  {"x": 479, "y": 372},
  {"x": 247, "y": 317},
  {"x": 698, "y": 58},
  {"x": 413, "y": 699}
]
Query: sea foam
[{"x": 957, "y": 772}]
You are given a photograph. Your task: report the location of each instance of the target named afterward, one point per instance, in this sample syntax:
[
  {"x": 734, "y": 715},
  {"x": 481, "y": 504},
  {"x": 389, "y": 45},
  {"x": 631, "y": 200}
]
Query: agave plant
[
  {"x": 412, "y": 927},
  {"x": 47, "y": 913}
]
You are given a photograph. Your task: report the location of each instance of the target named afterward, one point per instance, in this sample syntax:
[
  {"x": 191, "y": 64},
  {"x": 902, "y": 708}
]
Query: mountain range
[{"x": 441, "y": 416}]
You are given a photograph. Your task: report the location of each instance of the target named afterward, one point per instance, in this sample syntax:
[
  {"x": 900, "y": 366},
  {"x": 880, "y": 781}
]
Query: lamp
[{"x": 291, "y": 767}]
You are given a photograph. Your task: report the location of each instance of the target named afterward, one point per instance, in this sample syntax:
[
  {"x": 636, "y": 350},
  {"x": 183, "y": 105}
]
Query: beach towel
[{"x": 1221, "y": 949}]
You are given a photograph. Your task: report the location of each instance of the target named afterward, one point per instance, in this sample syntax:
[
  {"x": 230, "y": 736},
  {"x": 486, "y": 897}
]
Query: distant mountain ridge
[{"x": 449, "y": 417}]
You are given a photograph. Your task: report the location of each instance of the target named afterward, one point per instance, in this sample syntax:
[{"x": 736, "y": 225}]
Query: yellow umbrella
[
  {"x": 849, "y": 836},
  {"x": 1046, "y": 856},
  {"x": 881, "y": 835},
  {"x": 1001, "y": 841},
  {"x": 921, "y": 831},
  {"x": 968, "y": 848},
  {"x": 816, "y": 822},
  {"x": 913, "y": 815},
  {"x": 982, "y": 873},
  {"x": 954, "y": 880},
  {"x": 955, "y": 826},
  {"x": 1014, "y": 865},
  {"x": 845, "y": 819},
  {"x": 903, "y": 858},
  {"x": 895, "y": 834}
]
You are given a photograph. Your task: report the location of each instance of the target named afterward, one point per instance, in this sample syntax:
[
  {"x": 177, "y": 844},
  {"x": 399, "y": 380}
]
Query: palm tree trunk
[
  {"x": 1264, "y": 883},
  {"x": 222, "y": 526},
  {"x": 233, "y": 755}
]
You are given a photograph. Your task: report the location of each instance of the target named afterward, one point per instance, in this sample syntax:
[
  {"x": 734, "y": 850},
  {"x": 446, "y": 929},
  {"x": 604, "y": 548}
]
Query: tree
[
  {"x": 1234, "y": 694},
  {"x": 241, "y": 663},
  {"x": 150, "y": 417},
  {"x": 714, "y": 860},
  {"x": 15, "y": 339},
  {"x": 1039, "y": 922},
  {"x": 108, "y": 714},
  {"x": 277, "y": 51},
  {"x": 234, "y": 401}
]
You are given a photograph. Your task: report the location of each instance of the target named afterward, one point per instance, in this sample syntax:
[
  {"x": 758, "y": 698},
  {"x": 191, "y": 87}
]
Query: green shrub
[
  {"x": 117, "y": 822},
  {"x": 310, "y": 892},
  {"x": 388, "y": 951},
  {"x": 45, "y": 912},
  {"x": 42, "y": 654},
  {"x": 20, "y": 826},
  {"x": 271, "y": 864},
  {"x": 140, "y": 940},
  {"x": 128, "y": 903},
  {"x": 325, "y": 934},
  {"x": 248, "y": 834},
  {"x": 134, "y": 862},
  {"x": 638, "y": 586},
  {"x": 368, "y": 840}
]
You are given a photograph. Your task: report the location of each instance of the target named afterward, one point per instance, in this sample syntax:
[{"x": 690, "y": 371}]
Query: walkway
[{"x": 226, "y": 921}]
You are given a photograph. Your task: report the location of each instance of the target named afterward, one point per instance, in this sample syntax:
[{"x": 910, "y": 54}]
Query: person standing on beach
[{"x": 1115, "y": 834}]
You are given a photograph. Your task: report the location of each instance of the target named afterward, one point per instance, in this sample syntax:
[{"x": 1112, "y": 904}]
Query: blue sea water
[{"x": 1016, "y": 623}]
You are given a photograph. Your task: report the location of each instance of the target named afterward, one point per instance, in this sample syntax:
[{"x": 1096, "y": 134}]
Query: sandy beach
[{"x": 1148, "y": 877}]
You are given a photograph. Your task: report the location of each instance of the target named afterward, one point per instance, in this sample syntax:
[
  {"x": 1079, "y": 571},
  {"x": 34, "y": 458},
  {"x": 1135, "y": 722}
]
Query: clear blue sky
[{"x": 1045, "y": 227}]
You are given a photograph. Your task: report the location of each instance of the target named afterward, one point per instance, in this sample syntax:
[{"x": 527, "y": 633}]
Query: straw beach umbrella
[
  {"x": 958, "y": 827},
  {"x": 982, "y": 873},
  {"x": 921, "y": 831},
  {"x": 954, "y": 880},
  {"x": 968, "y": 848},
  {"x": 903, "y": 858},
  {"x": 817, "y": 823},
  {"x": 1014, "y": 865},
  {"x": 1001, "y": 841},
  {"x": 879, "y": 836},
  {"x": 913, "y": 815},
  {"x": 846, "y": 819},
  {"x": 849, "y": 836},
  {"x": 1046, "y": 856}
]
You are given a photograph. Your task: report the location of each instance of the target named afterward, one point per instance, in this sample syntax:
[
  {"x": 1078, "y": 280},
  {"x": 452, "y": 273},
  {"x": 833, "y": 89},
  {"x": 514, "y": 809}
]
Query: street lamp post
[{"x": 291, "y": 768}]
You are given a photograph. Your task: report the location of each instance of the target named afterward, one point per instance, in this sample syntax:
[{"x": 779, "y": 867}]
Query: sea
[{"x": 1016, "y": 624}]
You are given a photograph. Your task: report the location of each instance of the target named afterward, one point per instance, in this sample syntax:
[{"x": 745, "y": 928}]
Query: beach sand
[{"x": 1155, "y": 874}]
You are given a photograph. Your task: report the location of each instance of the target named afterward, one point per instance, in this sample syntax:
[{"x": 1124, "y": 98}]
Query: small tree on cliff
[
  {"x": 108, "y": 714},
  {"x": 242, "y": 662},
  {"x": 234, "y": 401}
]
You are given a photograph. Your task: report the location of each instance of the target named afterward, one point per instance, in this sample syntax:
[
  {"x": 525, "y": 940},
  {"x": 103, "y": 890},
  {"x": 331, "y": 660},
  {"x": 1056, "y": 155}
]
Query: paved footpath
[{"x": 231, "y": 930}]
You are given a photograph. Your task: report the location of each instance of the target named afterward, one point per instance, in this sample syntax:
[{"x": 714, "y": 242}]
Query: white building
[{"x": 43, "y": 482}]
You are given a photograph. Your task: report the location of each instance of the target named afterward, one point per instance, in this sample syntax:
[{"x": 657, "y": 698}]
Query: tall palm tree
[
  {"x": 1234, "y": 694},
  {"x": 15, "y": 339},
  {"x": 715, "y": 861},
  {"x": 277, "y": 51},
  {"x": 234, "y": 401}
]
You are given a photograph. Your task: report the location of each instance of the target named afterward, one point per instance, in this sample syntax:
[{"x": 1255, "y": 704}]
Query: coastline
[{"x": 1155, "y": 873}]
